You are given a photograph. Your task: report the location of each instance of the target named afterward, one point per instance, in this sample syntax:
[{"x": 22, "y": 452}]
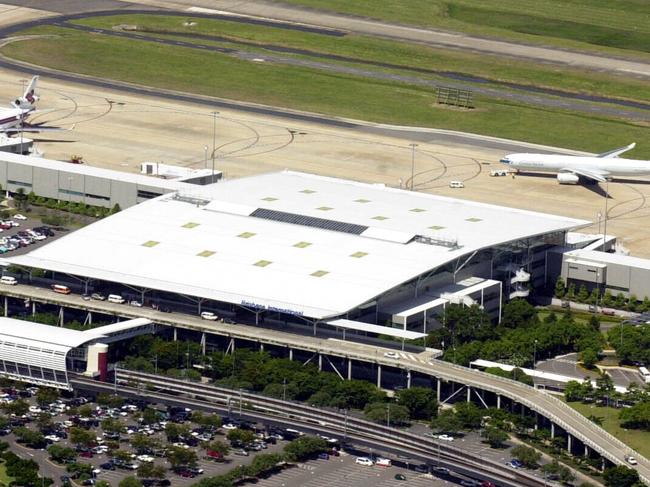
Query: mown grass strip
[
  {"x": 398, "y": 53},
  {"x": 213, "y": 74}
]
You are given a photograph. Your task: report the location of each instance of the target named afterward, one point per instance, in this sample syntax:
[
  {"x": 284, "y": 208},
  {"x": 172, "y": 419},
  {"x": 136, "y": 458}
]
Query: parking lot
[{"x": 16, "y": 239}]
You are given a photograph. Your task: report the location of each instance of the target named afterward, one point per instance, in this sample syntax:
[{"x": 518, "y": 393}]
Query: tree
[
  {"x": 17, "y": 408},
  {"x": 560, "y": 288},
  {"x": 621, "y": 476},
  {"x": 384, "y": 412},
  {"x": 632, "y": 303},
  {"x": 263, "y": 463},
  {"x": 148, "y": 470},
  {"x": 149, "y": 415},
  {"x": 31, "y": 438},
  {"x": 181, "y": 457},
  {"x": 116, "y": 209},
  {"x": 218, "y": 446},
  {"x": 174, "y": 431},
  {"x": 130, "y": 482},
  {"x": 571, "y": 293},
  {"x": 589, "y": 357},
  {"x": 110, "y": 400},
  {"x": 620, "y": 301},
  {"x": 594, "y": 323},
  {"x": 305, "y": 447},
  {"x": 112, "y": 425},
  {"x": 636, "y": 417},
  {"x": 242, "y": 436},
  {"x": 608, "y": 299},
  {"x": 527, "y": 455},
  {"x": 102, "y": 483},
  {"x": 583, "y": 294},
  {"x": 447, "y": 422},
  {"x": 46, "y": 395},
  {"x": 594, "y": 296},
  {"x": 495, "y": 436},
  {"x": 81, "y": 437},
  {"x": 44, "y": 421},
  {"x": 61, "y": 454},
  {"x": 469, "y": 414},
  {"x": 141, "y": 442},
  {"x": 420, "y": 401}
]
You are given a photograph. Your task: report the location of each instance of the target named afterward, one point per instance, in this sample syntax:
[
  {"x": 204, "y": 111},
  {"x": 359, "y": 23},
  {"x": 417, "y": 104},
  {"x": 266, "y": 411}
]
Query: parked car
[
  {"x": 391, "y": 355},
  {"x": 445, "y": 437},
  {"x": 98, "y": 296},
  {"x": 208, "y": 315},
  {"x": 364, "y": 461},
  {"x": 18, "y": 216}
]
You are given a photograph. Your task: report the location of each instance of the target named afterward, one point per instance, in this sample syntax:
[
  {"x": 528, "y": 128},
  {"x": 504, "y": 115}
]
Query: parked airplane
[
  {"x": 570, "y": 169},
  {"x": 14, "y": 120}
]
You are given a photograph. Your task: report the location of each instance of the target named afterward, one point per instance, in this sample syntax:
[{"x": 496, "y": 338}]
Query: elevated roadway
[
  {"x": 558, "y": 412},
  {"x": 299, "y": 415}
]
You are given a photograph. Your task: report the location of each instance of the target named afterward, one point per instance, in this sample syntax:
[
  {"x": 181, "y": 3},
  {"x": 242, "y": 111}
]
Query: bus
[
  {"x": 645, "y": 374},
  {"x": 58, "y": 288}
]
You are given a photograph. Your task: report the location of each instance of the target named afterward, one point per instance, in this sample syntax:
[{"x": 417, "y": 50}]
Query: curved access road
[{"x": 435, "y": 38}]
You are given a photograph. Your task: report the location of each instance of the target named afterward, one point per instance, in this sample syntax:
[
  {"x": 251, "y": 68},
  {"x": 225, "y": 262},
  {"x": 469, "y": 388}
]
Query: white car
[
  {"x": 208, "y": 315},
  {"x": 137, "y": 304},
  {"x": 35, "y": 409},
  {"x": 384, "y": 462},
  {"x": 145, "y": 458},
  {"x": 630, "y": 459},
  {"x": 53, "y": 438},
  {"x": 445, "y": 437},
  {"x": 364, "y": 461},
  {"x": 18, "y": 216},
  {"x": 391, "y": 355},
  {"x": 229, "y": 426}
]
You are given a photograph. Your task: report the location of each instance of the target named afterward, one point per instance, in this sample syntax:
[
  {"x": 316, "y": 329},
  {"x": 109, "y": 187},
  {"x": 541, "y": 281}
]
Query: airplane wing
[
  {"x": 616, "y": 152},
  {"x": 34, "y": 129},
  {"x": 599, "y": 175}
]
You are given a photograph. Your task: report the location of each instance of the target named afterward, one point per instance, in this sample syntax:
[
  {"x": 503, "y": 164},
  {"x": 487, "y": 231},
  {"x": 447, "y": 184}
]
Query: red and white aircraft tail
[{"x": 29, "y": 98}]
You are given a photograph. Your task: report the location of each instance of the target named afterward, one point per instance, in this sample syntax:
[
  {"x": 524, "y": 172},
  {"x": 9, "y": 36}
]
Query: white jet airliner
[{"x": 570, "y": 169}]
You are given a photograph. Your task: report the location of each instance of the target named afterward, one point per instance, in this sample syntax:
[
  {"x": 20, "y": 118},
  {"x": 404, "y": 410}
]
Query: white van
[
  {"x": 115, "y": 298},
  {"x": 8, "y": 280},
  {"x": 456, "y": 184}
]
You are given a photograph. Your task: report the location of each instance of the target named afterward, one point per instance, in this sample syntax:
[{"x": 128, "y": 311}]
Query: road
[
  {"x": 431, "y": 37},
  {"x": 536, "y": 400}
]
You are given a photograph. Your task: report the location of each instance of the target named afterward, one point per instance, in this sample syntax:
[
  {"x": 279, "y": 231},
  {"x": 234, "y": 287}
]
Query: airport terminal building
[{"x": 305, "y": 249}]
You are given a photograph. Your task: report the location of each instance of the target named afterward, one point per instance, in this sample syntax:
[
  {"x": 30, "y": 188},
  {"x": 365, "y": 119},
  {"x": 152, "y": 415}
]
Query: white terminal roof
[
  {"x": 44, "y": 336},
  {"x": 219, "y": 251}
]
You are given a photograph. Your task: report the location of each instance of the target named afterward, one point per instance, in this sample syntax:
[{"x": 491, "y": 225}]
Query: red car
[{"x": 86, "y": 454}]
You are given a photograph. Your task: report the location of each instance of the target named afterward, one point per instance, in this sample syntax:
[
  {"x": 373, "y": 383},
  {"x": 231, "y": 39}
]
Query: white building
[{"x": 298, "y": 247}]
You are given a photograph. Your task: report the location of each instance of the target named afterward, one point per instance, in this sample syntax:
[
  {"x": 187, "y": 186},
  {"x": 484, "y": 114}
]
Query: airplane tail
[{"x": 29, "y": 98}]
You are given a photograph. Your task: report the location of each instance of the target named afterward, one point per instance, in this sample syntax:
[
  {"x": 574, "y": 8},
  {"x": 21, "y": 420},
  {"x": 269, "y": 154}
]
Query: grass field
[
  {"x": 4, "y": 478},
  {"x": 403, "y": 54},
  {"x": 213, "y": 74},
  {"x": 622, "y": 25},
  {"x": 638, "y": 440}
]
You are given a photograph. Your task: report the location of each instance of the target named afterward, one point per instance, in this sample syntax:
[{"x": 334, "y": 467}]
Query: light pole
[
  {"x": 205, "y": 149},
  {"x": 535, "y": 354},
  {"x": 605, "y": 224},
  {"x": 413, "y": 146},
  {"x": 214, "y": 142},
  {"x": 284, "y": 389},
  {"x": 388, "y": 414},
  {"x": 240, "y": 401}
]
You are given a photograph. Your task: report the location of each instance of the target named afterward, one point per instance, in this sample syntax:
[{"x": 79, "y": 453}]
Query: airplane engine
[{"x": 567, "y": 178}]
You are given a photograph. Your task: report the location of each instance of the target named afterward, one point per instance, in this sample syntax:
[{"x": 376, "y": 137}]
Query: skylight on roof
[
  {"x": 191, "y": 225},
  {"x": 325, "y": 208},
  {"x": 380, "y": 217},
  {"x": 262, "y": 263},
  {"x": 473, "y": 220},
  {"x": 308, "y": 191},
  {"x": 206, "y": 253},
  {"x": 246, "y": 235},
  {"x": 359, "y": 254},
  {"x": 362, "y": 200},
  {"x": 319, "y": 273},
  {"x": 269, "y": 198},
  {"x": 436, "y": 227},
  {"x": 302, "y": 245},
  {"x": 150, "y": 243},
  {"x": 417, "y": 210}
]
